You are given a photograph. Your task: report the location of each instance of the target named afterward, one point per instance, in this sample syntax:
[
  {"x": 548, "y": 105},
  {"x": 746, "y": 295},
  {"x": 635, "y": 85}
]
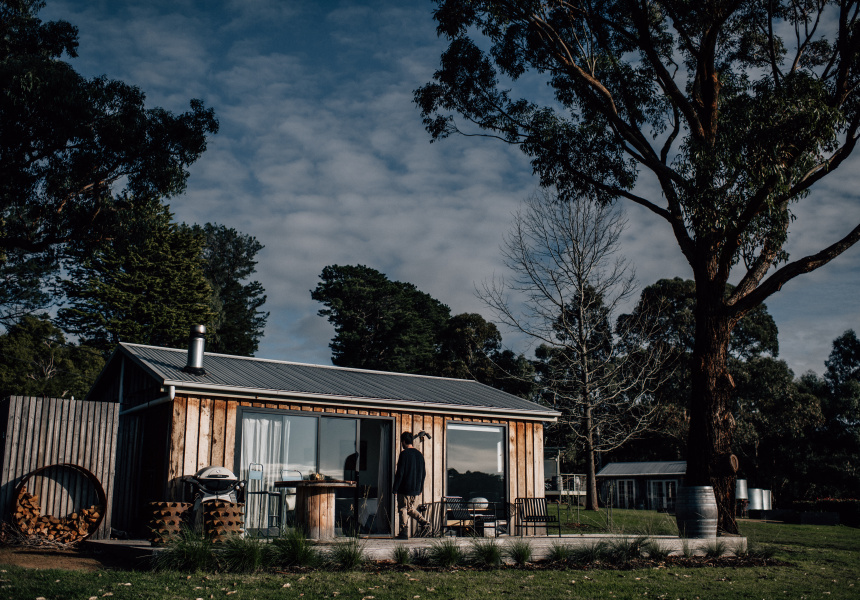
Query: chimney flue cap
[{"x": 196, "y": 340}]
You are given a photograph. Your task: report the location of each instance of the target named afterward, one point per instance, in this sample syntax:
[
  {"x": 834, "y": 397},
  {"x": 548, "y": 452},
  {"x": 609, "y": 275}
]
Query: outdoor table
[{"x": 315, "y": 505}]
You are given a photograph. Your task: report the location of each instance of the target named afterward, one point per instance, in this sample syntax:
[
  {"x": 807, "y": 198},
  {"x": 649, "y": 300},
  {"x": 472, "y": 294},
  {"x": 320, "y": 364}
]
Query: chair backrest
[
  {"x": 457, "y": 507},
  {"x": 533, "y": 508}
]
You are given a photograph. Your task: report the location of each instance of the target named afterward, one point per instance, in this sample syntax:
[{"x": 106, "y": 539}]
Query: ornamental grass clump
[
  {"x": 188, "y": 551},
  {"x": 401, "y": 555},
  {"x": 485, "y": 553},
  {"x": 588, "y": 553},
  {"x": 623, "y": 550},
  {"x": 348, "y": 555},
  {"x": 656, "y": 550},
  {"x": 243, "y": 554},
  {"x": 716, "y": 549},
  {"x": 559, "y": 553},
  {"x": 519, "y": 551},
  {"x": 446, "y": 553},
  {"x": 293, "y": 549}
]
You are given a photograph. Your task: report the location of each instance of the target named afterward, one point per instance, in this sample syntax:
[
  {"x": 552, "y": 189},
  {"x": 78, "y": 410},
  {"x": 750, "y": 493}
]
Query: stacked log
[
  {"x": 67, "y": 530},
  {"x": 167, "y": 520},
  {"x": 222, "y": 520}
]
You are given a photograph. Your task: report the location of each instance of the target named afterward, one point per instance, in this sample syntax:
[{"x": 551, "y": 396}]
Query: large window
[
  {"x": 278, "y": 446},
  {"x": 476, "y": 462}
]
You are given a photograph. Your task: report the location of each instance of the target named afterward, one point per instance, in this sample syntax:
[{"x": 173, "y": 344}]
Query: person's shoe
[{"x": 403, "y": 535}]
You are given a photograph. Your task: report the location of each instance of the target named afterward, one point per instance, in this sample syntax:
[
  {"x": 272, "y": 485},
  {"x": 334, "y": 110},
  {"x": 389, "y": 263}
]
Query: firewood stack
[
  {"x": 222, "y": 520},
  {"x": 167, "y": 520},
  {"x": 68, "y": 530}
]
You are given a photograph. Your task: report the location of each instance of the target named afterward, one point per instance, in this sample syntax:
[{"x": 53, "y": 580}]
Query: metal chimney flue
[{"x": 196, "y": 342}]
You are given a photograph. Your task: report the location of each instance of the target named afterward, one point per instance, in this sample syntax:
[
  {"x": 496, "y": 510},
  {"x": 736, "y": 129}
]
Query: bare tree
[{"x": 568, "y": 279}]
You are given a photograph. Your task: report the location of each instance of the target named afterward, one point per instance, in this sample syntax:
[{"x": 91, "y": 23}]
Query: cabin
[
  {"x": 647, "y": 485},
  {"x": 270, "y": 420}
]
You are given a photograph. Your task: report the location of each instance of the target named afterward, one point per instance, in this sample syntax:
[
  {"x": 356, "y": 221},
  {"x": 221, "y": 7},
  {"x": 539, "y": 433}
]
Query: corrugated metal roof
[
  {"x": 633, "y": 469},
  {"x": 271, "y": 378}
]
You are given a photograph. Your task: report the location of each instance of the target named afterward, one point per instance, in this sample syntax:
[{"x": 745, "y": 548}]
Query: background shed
[{"x": 39, "y": 432}]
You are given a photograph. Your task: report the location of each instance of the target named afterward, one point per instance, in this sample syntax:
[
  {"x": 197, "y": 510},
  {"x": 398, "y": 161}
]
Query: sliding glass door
[{"x": 280, "y": 445}]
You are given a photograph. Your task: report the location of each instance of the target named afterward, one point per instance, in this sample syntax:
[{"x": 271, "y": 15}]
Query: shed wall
[
  {"x": 48, "y": 431},
  {"x": 203, "y": 432}
]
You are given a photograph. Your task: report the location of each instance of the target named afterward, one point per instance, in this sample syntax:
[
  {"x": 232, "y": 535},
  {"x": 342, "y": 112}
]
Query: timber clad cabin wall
[
  {"x": 48, "y": 431},
  {"x": 202, "y": 432}
]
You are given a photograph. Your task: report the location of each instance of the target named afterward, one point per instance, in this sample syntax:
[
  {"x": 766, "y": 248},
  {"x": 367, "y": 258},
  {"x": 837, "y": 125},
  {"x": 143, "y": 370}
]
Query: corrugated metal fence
[{"x": 38, "y": 432}]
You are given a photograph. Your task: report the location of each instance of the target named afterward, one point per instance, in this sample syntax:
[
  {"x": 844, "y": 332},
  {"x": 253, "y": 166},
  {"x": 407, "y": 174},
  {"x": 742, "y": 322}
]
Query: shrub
[
  {"x": 421, "y": 556},
  {"x": 519, "y": 551},
  {"x": 188, "y": 551},
  {"x": 293, "y": 549},
  {"x": 348, "y": 555},
  {"x": 446, "y": 553},
  {"x": 485, "y": 553}
]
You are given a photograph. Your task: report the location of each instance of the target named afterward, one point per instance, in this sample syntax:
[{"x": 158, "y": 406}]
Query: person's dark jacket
[{"x": 409, "y": 477}]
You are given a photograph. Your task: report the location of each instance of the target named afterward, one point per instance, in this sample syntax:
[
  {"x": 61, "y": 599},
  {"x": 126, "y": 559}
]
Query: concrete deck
[{"x": 383, "y": 548}]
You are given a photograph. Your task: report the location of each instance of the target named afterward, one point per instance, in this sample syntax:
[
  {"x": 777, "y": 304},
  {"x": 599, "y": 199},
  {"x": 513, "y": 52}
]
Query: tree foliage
[
  {"x": 229, "y": 260},
  {"x": 75, "y": 151},
  {"x": 733, "y": 111},
  {"x": 379, "y": 323},
  {"x": 36, "y": 360},
  {"x": 146, "y": 285},
  {"x": 566, "y": 280}
]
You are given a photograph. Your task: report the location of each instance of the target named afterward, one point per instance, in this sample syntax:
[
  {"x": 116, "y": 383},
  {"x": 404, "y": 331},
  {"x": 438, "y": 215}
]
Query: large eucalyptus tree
[{"x": 734, "y": 109}]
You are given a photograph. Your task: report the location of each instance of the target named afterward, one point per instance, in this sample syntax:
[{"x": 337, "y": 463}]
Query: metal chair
[{"x": 533, "y": 512}]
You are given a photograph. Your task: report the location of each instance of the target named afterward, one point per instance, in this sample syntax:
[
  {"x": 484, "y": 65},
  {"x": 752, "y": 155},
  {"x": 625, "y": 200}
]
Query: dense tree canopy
[
  {"x": 36, "y": 360},
  {"x": 74, "y": 151},
  {"x": 733, "y": 111},
  {"x": 379, "y": 323},
  {"x": 145, "y": 286},
  {"x": 229, "y": 260}
]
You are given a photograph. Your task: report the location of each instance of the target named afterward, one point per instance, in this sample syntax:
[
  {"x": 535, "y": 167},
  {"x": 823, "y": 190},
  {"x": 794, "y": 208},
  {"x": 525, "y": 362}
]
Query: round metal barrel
[
  {"x": 766, "y": 503},
  {"x": 756, "y": 500},
  {"x": 741, "y": 490},
  {"x": 696, "y": 512}
]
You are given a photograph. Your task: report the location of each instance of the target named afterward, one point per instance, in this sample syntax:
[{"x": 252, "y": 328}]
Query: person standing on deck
[{"x": 408, "y": 483}]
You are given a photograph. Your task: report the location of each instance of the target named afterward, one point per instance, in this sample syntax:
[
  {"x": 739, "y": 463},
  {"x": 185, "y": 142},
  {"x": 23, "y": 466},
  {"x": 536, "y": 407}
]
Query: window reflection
[{"x": 476, "y": 462}]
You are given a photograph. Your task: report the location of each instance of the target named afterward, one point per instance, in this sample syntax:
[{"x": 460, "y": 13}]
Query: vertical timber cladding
[
  {"x": 203, "y": 432},
  {"x": 40, "y": 432}
]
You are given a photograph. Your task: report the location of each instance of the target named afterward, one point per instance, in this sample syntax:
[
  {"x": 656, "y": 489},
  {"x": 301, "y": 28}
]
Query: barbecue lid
[{"x": 213, "y": 473}]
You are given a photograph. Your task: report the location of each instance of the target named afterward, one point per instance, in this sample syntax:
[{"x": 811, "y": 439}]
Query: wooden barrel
[{"x": 696, "y": 512}]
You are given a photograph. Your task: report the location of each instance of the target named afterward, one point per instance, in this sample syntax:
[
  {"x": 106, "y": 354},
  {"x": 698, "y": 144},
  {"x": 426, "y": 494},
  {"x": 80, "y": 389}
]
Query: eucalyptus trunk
[
  {"x": 709, "y": 456},
  {"x": 591, "y": 470}
]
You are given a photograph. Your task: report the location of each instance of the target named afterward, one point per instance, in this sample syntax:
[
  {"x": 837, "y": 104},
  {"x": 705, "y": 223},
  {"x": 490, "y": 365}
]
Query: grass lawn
[{"x": 825, "y": 563}]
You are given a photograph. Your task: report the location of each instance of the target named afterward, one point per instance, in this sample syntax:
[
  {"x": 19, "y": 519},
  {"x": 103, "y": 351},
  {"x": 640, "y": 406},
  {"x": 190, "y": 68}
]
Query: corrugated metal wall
[{"x": 47, "y": 431}]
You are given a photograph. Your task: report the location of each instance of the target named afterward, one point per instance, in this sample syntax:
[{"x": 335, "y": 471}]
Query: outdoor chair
[
  {"x": 434, "y": 512},
  {"x": 532, "y": 512}
]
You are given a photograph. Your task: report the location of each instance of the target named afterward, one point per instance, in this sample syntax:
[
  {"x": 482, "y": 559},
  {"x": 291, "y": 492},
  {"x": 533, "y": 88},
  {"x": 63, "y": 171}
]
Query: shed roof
[
  {"x": 639, "y": 469},
  {"x": 274, "y": 379}
]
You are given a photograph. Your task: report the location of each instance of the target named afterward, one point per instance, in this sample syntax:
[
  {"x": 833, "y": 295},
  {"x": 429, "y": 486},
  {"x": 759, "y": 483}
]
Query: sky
[{"x": 323, "y": 158}]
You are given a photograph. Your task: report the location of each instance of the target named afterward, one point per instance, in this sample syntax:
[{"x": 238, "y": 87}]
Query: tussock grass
[
  {"x": 293, "y": 549},
  {"x": 348, "y": 555},
  {"x": 485, "y": 553},
  {"x": 520, "y": 551},
  {"x": 446, "y": 553},
  {"x": 188, "y": 551}
]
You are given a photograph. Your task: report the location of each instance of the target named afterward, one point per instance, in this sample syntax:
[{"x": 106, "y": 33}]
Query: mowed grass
[{"x": 824, "y": 563}]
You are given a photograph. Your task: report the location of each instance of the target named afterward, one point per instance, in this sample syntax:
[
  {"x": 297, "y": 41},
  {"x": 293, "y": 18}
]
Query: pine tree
[{"x": 146, "y": 285}]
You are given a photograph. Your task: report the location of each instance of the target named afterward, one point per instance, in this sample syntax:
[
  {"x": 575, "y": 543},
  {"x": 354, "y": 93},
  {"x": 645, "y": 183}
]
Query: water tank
[
  {"x": 756, "y": 500},
  {"x": 741, "y": 490},
  {"x": 766, "y": 503}
]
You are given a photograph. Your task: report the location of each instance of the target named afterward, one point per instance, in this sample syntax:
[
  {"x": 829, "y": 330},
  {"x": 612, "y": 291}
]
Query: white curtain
[{"x": 265, "y": 440}]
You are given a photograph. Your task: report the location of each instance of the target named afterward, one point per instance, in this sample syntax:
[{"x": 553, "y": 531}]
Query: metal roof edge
[{"x": 365, "y": 402}]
